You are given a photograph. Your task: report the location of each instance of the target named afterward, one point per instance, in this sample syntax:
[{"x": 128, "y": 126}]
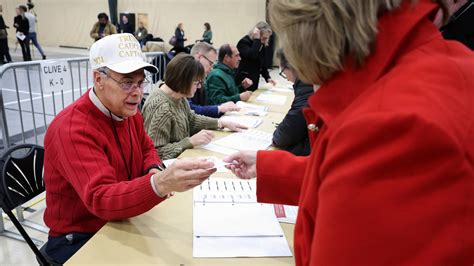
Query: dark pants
[
  {"x": 25, "y": 49},
  {"x": 59, "y": 249},
  {"x": 4, "y": 51}
]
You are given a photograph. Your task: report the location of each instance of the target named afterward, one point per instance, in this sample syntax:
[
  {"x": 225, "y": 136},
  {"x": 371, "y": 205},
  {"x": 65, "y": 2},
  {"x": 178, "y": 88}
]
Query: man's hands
[{"x": 182, "y": 175}]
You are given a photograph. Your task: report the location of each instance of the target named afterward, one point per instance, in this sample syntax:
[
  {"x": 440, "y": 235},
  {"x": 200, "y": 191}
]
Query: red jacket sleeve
[
  {"x": 87, "y": 169},
  {"x": 389, "y": 191},
  {"x": 279, "y": 177}
]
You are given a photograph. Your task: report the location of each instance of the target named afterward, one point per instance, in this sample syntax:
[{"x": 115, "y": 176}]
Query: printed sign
[{"x": 55, "y": 76}]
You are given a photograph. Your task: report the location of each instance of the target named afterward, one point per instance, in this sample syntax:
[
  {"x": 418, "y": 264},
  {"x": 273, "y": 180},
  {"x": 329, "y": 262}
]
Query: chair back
[{"x": 21, "y": 178}]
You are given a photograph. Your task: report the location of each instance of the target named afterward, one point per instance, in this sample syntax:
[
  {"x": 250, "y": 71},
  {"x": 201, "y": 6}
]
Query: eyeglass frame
[
  {"x": 133, "y": 85},
  {"x": 208, "y": 60}
]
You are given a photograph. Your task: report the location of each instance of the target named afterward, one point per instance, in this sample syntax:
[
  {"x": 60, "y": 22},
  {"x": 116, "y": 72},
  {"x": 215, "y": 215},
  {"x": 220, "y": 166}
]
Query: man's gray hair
[{"x": 202, "y": 48}]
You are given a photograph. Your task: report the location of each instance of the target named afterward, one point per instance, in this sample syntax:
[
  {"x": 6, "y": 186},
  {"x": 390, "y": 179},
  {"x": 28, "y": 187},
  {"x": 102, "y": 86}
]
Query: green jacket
[{"x": 220, "y": 86}]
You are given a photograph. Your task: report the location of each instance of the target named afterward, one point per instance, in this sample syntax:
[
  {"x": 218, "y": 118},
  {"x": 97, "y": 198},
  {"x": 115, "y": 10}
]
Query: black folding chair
[{"x": 21, "y": 180}]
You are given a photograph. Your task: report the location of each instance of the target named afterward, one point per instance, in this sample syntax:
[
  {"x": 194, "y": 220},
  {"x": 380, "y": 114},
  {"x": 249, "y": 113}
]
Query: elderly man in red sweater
[{"x": 100, "y": 165}]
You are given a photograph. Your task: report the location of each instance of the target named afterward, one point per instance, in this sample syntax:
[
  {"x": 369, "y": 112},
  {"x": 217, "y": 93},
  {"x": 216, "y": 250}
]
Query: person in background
[
  {"x": 141, "y": 33},
  {"x": 180, "y": 39},
  {"x": 207, "y": 35},
  {"x": 99, "y": 163},
  {"x": 125, "y": 26},
  {"x": 459, "y": 26},
  {"x": 220, "y": 86},
  {"x": 32, "y": 20},
  {"x": 390, "y": 177},
  {"x": 252, "y": 48},
  {"x": 4, "y": 50},
  {"x": 22, "y": 26},
  {"x": 169, "y": 121},
  {"x": 207, "y": 55},
  {"x": 102, "y": 28},
  {"x": 292, "y": 133}
]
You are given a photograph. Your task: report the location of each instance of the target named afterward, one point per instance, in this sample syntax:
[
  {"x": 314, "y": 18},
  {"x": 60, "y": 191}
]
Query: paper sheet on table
[
  {"x": 250, "y": 122},
  {"x": 250, "y": 106},
  {"x": 218, "y": 163},
  {"x": 239, "y": 219},
  {"x": 226, "y": 190},
  {"x": 271, "y": 98},
  {"x": 281, "y": 89},
  {"x": 247, "y": 140},
  {"x": 226, "y": 225},
  {"x": 286, "y": 213},
  {"x": 220, "y": 149},
  {"x": 230, "y": 247}
]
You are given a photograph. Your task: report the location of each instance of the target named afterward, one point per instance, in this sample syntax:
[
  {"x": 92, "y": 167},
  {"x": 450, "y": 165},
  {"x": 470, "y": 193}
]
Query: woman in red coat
[{"x": 390, "y": 177}]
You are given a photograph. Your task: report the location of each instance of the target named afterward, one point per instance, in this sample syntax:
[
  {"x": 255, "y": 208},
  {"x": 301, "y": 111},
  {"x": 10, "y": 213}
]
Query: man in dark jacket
[
  {"x": 4, "y": 50},
  {"x": 22, "y": 26},
  {"x": 252, "y": 48},
  {"x": 291, "y": 134}
]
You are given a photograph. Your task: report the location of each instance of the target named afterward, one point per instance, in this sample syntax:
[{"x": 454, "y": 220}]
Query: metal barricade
[{"x": 26, "y": 109}]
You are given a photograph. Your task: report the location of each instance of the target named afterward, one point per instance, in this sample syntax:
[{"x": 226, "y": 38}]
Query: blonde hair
[{"x": 317, "y": 36}]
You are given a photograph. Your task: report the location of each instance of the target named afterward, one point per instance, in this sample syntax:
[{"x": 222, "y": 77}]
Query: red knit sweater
[{"x": 85, "y": 177}]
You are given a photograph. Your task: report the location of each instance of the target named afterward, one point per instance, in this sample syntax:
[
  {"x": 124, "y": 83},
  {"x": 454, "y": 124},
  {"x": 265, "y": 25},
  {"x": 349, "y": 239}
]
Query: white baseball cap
[{"x": 119, "y": 52}]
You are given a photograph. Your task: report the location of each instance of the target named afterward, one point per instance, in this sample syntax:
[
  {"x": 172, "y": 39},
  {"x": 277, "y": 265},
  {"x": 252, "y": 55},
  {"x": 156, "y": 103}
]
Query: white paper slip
[
  {"x": 286, "y": 213},
  {"x": 250, "y": 106},
  {"x": 247, "y": 140},
  {"x": 219, "y": 149},
  {"x": 226, "y": 190},
  {"x": 231, "y": 247},
  {"x": 218, "y": 163},
  {"x": 240, "y": 219},
  {"x": 271, "y": 99},
  {"x": 249, "y": 122},
  {"x": 281, "y": 89}
]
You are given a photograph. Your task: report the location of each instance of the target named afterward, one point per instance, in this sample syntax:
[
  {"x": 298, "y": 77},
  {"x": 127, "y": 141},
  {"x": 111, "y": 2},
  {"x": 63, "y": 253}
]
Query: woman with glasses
[
  {"x": 169, "y": 121},
  {"x": 291, "y": 134}
]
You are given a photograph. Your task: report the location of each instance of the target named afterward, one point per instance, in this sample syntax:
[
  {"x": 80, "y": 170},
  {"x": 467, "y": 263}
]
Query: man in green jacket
[{"x": 220, "y": 84}]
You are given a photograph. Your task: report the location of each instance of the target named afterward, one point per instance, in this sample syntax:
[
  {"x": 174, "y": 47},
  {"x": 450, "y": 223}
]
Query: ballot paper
[
  {"x": 246, "y": 140},
  {"x": 248, "y": 121},
  {"x": 249, "y": 106},
  {"x": 271, "y": 98},
  {"x": 228, "y": 221}
]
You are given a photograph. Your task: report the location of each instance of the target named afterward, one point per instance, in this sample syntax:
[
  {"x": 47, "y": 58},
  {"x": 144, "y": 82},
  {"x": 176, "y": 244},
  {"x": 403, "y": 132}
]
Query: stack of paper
[
  {"x": 247, "y": 140},
  {"x": 249, "y": 122},
  {"x": 228, "y": 222},
  {"x": 271, "y": 98}
]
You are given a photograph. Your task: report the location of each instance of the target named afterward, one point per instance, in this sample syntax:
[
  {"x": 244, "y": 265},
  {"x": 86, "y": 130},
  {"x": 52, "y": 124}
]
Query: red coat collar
[{"x": 399, "y": 31}]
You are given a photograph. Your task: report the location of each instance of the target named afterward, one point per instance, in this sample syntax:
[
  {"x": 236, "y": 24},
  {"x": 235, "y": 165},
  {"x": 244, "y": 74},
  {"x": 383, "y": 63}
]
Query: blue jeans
[
  {"x": 59, "y": 249},
  {"x": 34, "y": 39}
]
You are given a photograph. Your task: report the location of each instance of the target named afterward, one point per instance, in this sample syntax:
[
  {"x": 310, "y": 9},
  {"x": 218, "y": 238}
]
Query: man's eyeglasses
[
  {"x": 282, "y": 74},
  {"x": 209, "y": 60},
  {"x": 129, "y": 86}
]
